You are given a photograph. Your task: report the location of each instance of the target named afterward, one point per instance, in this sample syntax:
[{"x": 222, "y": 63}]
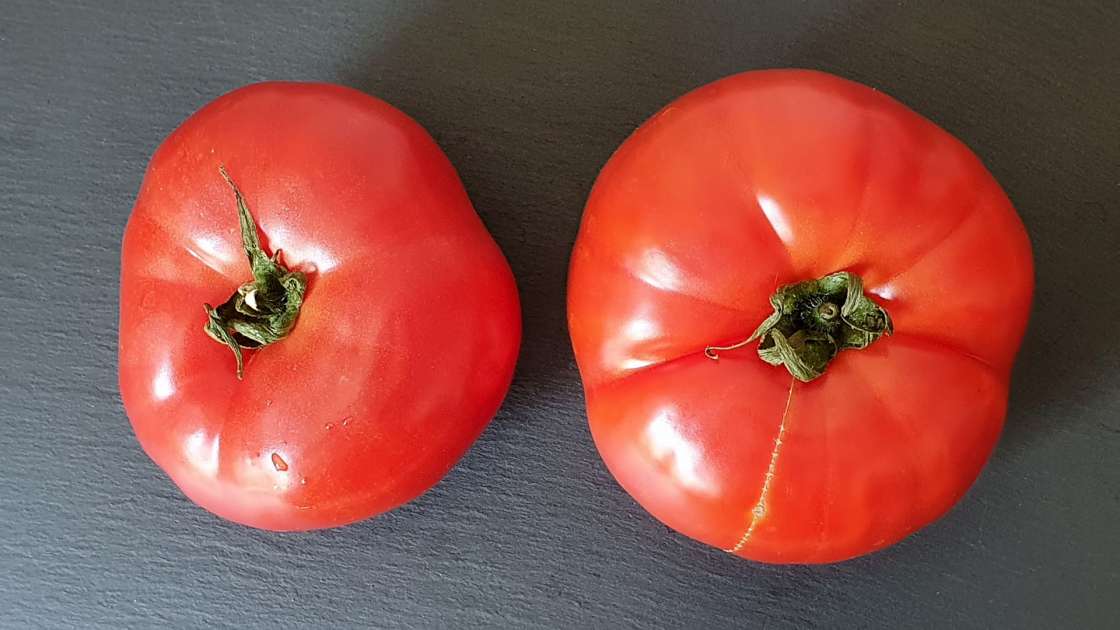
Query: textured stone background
[{"x": 529, "y": 99}]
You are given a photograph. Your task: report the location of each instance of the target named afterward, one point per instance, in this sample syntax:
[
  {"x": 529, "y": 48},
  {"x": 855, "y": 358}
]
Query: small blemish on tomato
[{"x": 278, "y": 463}]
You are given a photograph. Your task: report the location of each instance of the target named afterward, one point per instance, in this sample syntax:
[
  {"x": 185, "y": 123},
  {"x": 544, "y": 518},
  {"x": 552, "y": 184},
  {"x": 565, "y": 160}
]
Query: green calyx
[
  {"x": 813, "y": 321},
  {"x": 263, "y": 310}
]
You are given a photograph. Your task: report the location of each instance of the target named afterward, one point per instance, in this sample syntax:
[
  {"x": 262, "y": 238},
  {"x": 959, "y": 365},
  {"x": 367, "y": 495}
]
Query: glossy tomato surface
[
  {"x": 766, "y": 179},
  {"x": 408, "y": 334}
]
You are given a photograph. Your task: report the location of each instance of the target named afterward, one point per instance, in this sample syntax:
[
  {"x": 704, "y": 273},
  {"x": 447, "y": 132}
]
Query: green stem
[
  {"x": 813, "y": 321},
  {"x": 263, "y": 310}
]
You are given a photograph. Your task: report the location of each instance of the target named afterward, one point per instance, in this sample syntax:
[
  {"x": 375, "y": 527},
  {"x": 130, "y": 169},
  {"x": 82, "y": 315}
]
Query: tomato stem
[
  {"x": 812, "y": 322},
  {"x": 263, "y": 310}
]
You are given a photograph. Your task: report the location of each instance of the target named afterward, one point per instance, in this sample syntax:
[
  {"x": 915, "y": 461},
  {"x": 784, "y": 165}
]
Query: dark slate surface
[{"x": 529, "y": 99}]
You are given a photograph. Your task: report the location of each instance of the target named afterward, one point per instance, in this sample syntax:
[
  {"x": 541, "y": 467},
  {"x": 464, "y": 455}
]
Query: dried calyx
[
  {"x": 263, "y": 310},
  {"x": 813, "y": 321}
]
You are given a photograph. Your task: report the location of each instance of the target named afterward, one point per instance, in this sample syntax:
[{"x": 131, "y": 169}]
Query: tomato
[
  {"x": 882, "y": 270},
  {"x": 385, "y": 318}
]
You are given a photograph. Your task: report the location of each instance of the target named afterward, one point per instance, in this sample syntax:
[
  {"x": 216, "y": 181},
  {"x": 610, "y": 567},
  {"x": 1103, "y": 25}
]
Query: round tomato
[
  {"x": 321, "y": 236},
  {"x": 795, "y": 304}
]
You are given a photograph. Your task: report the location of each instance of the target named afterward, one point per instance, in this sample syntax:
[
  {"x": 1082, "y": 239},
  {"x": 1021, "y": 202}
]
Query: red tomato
[
  {"x": 405, "y": 341},
  {"x": 729, "y": 196}
]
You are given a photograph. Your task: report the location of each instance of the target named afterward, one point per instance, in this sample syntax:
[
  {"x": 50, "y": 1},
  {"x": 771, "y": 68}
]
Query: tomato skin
[
  {"x": 408, "y": 335},
  {"x": 765, "y": 179}
]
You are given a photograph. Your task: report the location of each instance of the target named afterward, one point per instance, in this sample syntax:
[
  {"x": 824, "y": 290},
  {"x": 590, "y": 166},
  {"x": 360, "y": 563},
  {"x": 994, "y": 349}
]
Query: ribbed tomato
[
  {"x": 385, "y": 318},
  {"x": 815, "y": 213}
]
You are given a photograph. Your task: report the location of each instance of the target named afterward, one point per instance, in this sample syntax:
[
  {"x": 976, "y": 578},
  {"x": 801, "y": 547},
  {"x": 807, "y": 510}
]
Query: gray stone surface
[{"x": 529, "y": 99}]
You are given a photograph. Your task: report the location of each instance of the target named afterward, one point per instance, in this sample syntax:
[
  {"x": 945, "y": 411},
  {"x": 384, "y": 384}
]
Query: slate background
[{"x": 529, "y": 99}]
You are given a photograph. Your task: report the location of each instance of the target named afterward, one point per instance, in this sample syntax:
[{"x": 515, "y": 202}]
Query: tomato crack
[{"x": 759, "y": 509}]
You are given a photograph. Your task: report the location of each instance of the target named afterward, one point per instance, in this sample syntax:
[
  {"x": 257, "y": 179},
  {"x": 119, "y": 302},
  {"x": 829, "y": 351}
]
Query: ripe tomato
[
  {"x": 404, "y": 333},
  {"x": 732, "y": 208}
]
